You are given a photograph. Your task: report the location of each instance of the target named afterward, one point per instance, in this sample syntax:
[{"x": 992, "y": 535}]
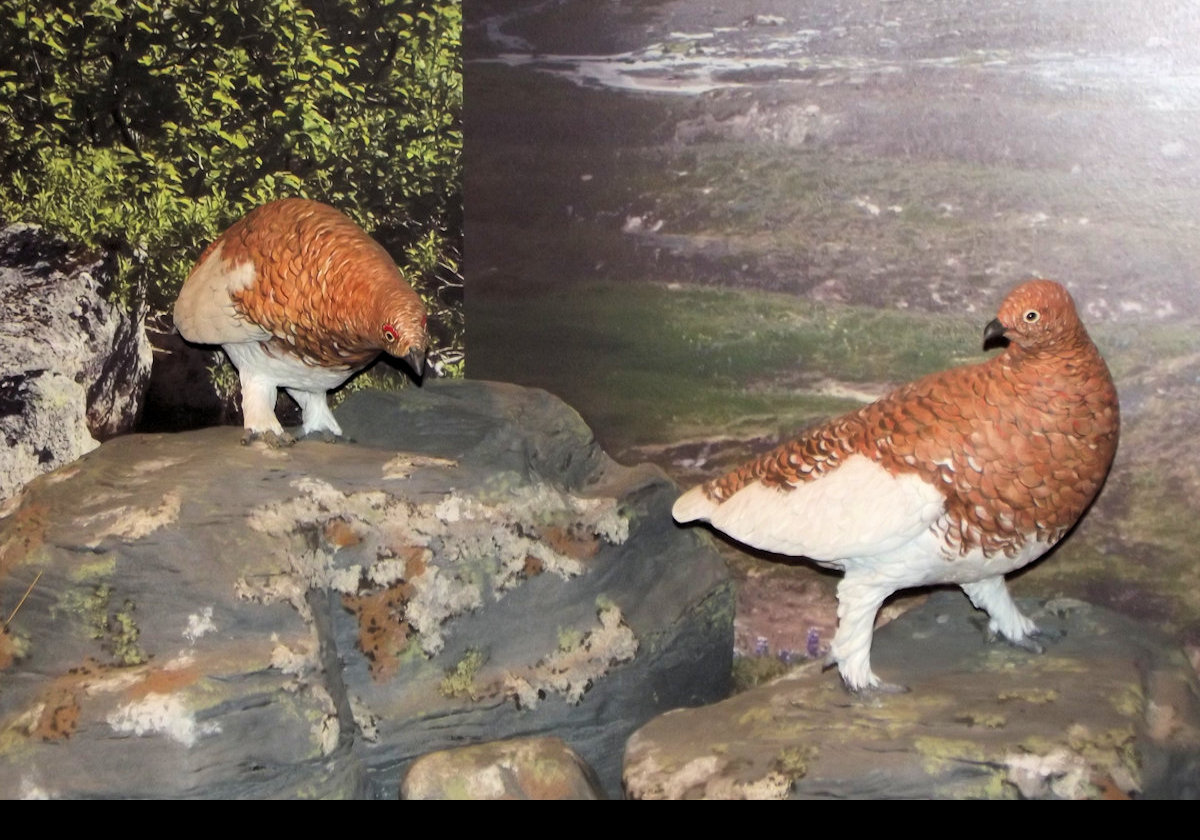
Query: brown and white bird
[
  {"x": 300, "y": 298},
  {"x": 960, "y": 477}
]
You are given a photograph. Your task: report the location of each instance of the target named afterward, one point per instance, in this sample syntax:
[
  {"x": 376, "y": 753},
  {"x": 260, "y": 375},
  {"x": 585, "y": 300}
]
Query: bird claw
[
  {"x": 324, "y": 436},
  {"x": 1027, "y": 643},
  {"x": 274, "y": 440},
  {"x": 873, "y": 687},
  {"x": 881, "y": 688}
]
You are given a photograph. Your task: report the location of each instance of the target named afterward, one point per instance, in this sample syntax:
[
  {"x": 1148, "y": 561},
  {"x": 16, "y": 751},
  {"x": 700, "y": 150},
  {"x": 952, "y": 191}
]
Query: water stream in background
[{"x": 1163, "y": 73}]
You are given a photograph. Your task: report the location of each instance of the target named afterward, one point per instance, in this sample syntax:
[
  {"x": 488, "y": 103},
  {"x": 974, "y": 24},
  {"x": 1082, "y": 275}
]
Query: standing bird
[
  {"x": 299, "y": 297},
  {"x": 960, "y": 477}
]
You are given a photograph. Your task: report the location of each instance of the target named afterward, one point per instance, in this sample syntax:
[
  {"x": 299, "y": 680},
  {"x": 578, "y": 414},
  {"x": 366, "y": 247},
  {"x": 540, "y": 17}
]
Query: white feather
[
  {"x": 204, "y": 312},
  {"x": 858, "y": 509}
]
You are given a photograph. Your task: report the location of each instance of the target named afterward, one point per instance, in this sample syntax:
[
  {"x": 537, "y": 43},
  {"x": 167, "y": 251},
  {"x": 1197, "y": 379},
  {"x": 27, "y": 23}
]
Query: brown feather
[
  {"x": 1025, "y": 438},
  {"x": 301, "y": 298}
]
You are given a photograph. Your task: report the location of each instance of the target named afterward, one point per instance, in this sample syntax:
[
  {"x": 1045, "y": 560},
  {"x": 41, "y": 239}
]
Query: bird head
[
  {"x": 1036, "y": 314},
  {"x": 404, "y": 335}
]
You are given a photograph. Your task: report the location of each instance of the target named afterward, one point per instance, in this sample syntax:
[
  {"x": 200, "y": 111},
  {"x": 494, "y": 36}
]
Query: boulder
[
  {"x": 206, "y": 619},
  {"x": 1110, "y": 710},
  {"x": 521, "y": 768},
  {"x": 74, "y": 366}
]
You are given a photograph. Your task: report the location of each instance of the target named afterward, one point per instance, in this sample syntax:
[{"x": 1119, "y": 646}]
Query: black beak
[
  {"x": 993, "y": 332},
  {"x": 416, "y": 360}
]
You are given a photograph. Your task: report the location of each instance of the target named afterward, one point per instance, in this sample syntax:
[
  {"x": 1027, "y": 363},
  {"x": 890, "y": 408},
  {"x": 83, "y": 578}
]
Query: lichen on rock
[
  {"x": 405, "y": 568},
  {"x": 575, "y": 666}
]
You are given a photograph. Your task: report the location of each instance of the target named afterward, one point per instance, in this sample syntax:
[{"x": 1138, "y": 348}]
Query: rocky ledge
[
  {"x": 1109, "y": 710},
  {"x": 206, "y": 619}
]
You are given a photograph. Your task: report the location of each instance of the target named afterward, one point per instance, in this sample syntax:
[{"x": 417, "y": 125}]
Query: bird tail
[{"x": 693, "y": 505}]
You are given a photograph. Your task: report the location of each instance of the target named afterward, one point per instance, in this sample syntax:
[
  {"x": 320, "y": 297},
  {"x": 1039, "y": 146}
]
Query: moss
[
  {"x": 979, "y": 775},
  {"x": 90, "y": 606},
  {"x": 984, "y": 719},
  {"x": 117, "y": 631},
  {"x": 941, "y": 754},
  {"x": 1130, "y": 702},
  {"x": 460, "y": 680},
  {"x": 123, "y": 635},
  {"x": 569, "y": 639},
  {"x": 794, "y": 762},
  {"x": 749, "y": 671},
  {"x": 756, "y": 715},
  {"x": 99, "y": 569},
  {"x": 1032, "y": 695}
]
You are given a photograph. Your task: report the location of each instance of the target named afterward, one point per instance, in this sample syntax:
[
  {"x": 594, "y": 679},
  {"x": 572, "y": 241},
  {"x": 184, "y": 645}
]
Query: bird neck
[{"x": 1067, "y": 356}]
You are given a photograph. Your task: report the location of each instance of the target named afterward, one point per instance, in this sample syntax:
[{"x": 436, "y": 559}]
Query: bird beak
[
  {"x": 993, "y": 331},
  {"x": 416, "y": 360}
]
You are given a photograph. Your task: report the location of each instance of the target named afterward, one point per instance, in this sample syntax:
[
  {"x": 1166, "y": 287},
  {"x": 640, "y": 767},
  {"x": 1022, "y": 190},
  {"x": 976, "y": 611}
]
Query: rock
[
  {"x": 73, "y": 366},
  {"x": 1111, "y": 710},
  {"x": 214, "y": 620},
  {"x": 522, "y": 768}
]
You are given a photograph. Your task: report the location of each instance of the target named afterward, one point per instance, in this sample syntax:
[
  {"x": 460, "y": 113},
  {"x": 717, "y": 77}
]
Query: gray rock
[
  {"x": 214, "y": 620},
  {"x": 522, "y": 768},
  {"x": 73, "y": 366},
  {"x": 1110, "y": 710}
]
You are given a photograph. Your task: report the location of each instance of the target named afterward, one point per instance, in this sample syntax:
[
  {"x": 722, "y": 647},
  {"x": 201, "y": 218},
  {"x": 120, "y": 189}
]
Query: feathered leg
[
  {"x": 317, "y": 416},
  {"x": 858, "y": 603},
  {"x": 1004, "y": 617},
  {"x": 258, "y": 397}
]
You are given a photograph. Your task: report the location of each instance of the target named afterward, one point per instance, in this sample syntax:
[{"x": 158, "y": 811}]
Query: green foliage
[{"x": 146, "y": 128}]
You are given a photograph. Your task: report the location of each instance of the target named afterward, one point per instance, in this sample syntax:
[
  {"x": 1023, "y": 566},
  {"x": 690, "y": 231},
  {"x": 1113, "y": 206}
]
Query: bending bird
[{"x": 300, "y": 298}]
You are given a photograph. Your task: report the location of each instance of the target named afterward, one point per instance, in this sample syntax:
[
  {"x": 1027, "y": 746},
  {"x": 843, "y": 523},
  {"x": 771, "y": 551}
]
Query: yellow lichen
[
  {"x": 942, "y": 753},
  {"x": 989, "y": 720},
  {"x": 1030, "y": 695},
  {"x": 460, "y": 681},
  {"x": 794, "y": 762}
]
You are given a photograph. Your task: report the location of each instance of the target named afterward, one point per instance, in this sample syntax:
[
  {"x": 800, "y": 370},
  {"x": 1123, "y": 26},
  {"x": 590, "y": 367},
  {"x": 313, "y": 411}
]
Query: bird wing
[
  {"x": 320, "y": 281},
  {"x": 205, "y": 311},
  {"x": 856, "y": 509}
]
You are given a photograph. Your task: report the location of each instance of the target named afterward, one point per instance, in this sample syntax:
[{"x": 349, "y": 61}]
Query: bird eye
[
  {"x": 389, "y": 333},
  {"x": 1031, "y": 317}
]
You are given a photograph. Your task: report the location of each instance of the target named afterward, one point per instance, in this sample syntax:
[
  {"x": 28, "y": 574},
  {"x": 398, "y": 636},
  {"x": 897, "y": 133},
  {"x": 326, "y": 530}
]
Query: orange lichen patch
[
  {"x": 156, "y": 680},
  {"x": 533, "y": 566},
  {"x": 339, "y": 534},
  {"x": 6, "y": 649},
  {"x": 61, "y": 703},
  {"x": 383, "y": 633},
  {"x": 1109, "y": 789},
  {"x": 564, "y": 541},
  {"x": 60, "y": 716},
  {"x": 416, "y": 560},
  {"x": 26, "y": 533}
]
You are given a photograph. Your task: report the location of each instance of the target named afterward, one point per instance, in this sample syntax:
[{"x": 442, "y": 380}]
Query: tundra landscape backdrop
[{"x": 708, "y": 225}]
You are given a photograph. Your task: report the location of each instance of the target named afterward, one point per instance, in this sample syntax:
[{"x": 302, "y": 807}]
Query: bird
[
  {"x": 299, "y": 297},
  {"x": 959, "y": 478}
]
